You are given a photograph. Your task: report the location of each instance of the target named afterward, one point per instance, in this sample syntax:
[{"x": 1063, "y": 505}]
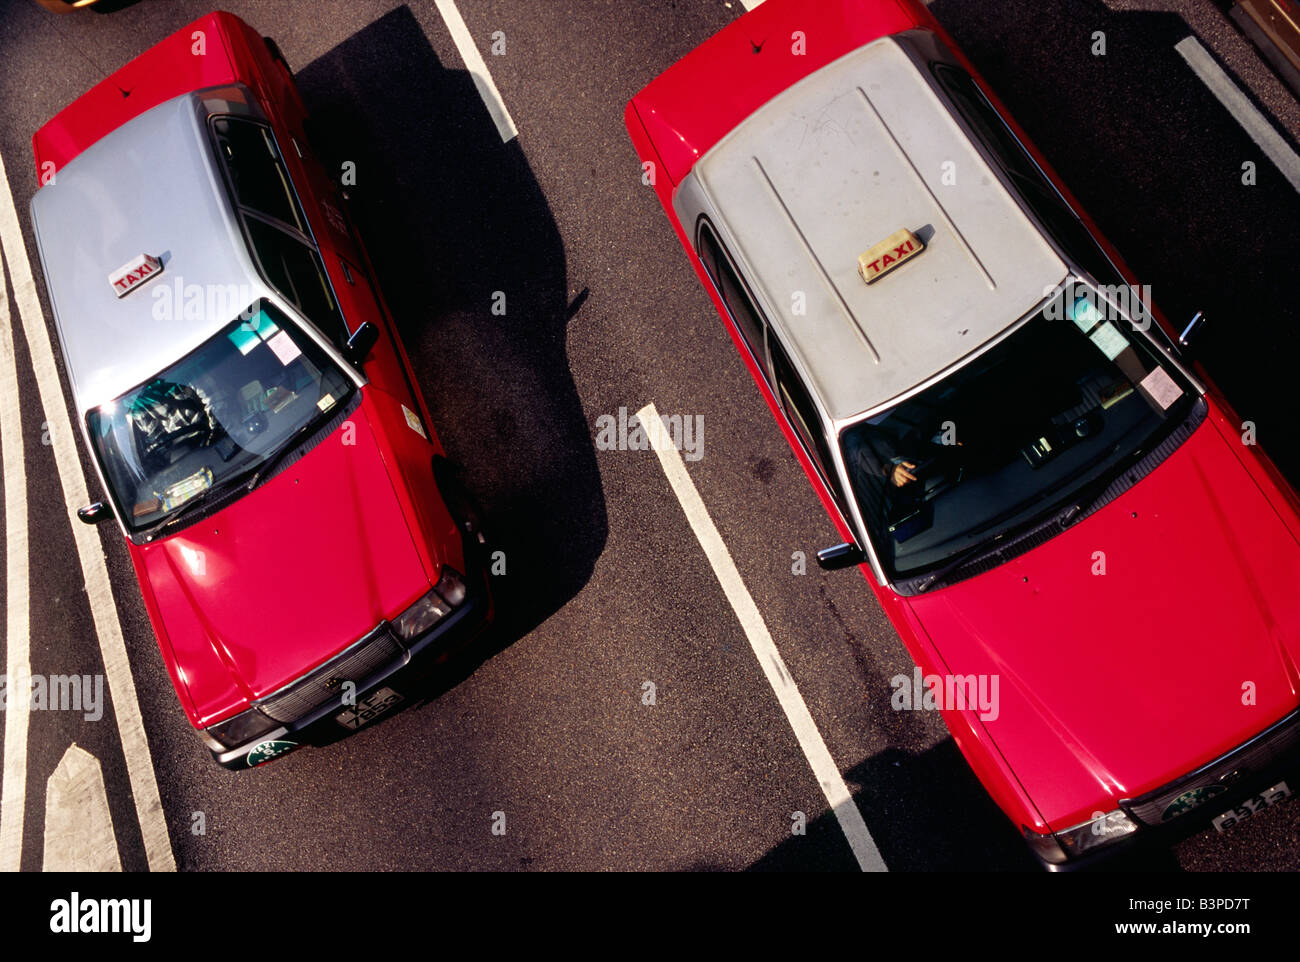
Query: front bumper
[
  {"x": 435, "y": 646},
  {"x": 1252, "y": 767}
]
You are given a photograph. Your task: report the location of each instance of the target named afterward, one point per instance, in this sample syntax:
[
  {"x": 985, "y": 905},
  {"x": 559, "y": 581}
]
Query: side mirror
[
  {"x": 840, "y": 556},
  {"x": 96, "y": 513},
  {"x": 1193, "y": 328},
  {"x": 361, "y": 343}
]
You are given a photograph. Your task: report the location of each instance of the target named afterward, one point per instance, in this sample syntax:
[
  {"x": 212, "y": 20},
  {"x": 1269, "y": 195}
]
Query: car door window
[
  {"x": 257, "y": 175},
  {"x": 732, "y": 291},
  {"x": 803, "y": 417},
  {"x": 274, "y": 223},
  {"x": 295, "y": 270}
]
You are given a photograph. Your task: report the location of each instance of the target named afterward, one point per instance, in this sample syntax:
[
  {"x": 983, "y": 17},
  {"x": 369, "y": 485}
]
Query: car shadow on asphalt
[
  {"x": 927, "y": 812},
  {"x": 472, "y": 265}
]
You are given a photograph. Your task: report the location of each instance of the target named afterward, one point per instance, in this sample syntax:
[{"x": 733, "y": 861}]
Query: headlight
[
  {"x": 446, "y": 596},
  {"x": 243, "y": 728},
  {"x": 1102, "y": 829}
]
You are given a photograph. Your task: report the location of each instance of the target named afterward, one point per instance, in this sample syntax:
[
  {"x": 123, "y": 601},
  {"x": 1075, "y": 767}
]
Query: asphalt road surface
[{"x": 607, "y": 587}]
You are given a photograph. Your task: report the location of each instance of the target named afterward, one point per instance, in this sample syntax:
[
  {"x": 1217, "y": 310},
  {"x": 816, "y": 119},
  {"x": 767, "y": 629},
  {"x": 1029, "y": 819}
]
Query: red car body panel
[
  {"x": 683, "y": 123},
  {"x": 328, "y": 528},
  {"x": 359, "y": 523},
  {"x": 1033, "y": 622},
  {"x": 166, "y": 70},
  {"x": 1044, "y": 773}
]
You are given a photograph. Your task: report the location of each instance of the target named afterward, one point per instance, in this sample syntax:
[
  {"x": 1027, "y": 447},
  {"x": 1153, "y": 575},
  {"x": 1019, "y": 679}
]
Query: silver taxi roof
[
  {"x": 149, "y": 187},
  {"x": 836, "y": 164}
]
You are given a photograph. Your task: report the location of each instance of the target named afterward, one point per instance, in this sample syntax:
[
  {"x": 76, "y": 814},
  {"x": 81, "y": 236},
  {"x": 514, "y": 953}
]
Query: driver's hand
[{"x": 902, "y": 474}]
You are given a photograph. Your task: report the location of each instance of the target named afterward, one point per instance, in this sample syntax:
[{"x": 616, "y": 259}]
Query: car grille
[
  {"x": 1184, "y": 794},
  {"x": 325, "y": 684}
]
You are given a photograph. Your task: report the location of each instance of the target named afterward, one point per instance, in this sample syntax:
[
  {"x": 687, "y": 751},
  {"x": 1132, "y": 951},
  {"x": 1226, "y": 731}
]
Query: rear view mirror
[
  {"x": 95, "y": 513},
  {"x": 840, "y": 556},
  {"x": 361, "y": 343}
]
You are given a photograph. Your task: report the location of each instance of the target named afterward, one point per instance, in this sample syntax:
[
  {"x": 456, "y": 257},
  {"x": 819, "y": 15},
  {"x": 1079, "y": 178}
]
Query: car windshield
[
  {"x": 1020, "y": 431},
  {"x": 213, "y": 416}
]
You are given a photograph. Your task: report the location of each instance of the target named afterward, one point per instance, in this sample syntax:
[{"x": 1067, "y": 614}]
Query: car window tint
[
  {"x": 296, "y": 271},
  {"x": 258, "y": 176},
  {"x": 732, "y": 291}
]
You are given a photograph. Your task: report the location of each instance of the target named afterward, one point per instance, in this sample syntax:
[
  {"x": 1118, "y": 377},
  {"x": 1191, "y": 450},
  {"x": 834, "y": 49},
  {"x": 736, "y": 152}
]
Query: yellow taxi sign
[{"x": 879, "y": 260}]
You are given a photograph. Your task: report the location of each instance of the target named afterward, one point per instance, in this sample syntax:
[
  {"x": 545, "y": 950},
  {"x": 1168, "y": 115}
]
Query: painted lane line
[
  {"x": 90, "y": 549},
  {"x": 478, "y": 70},
  {"x": 1243, "y": 111},
  {"x": 13, "y": 786},
  {"x": 78, "y": 827},
  {"x": 769, "y": 659},
  {"x": 750, "y": 4}
]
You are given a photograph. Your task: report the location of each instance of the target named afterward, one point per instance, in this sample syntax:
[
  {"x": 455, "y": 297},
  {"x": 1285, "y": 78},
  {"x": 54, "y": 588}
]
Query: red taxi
[
  {"x": 1052, "y": 503},
  {"x": 298, "y": 536}
]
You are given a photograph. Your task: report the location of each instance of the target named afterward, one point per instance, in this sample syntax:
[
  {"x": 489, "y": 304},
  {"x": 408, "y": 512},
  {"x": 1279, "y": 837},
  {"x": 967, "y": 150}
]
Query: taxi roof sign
[
  {"x": 134, "y": 273},
  {"x": 875, "y": 262}
]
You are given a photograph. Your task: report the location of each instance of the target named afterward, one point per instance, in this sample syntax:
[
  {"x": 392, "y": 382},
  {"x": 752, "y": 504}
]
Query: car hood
[
  {"x": 1113, "y": 684},
  {"x": 287, "y": 576}
]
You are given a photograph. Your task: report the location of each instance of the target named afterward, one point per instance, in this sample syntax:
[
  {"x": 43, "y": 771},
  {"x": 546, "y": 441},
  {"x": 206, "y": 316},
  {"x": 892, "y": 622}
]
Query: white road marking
[
  {"x": 1243, "y": 111},
  {"x": 90, "y": 550},
  {"x": 478, "y": 70},
  {"x": 78, "y": 827},
  {"x": 769, "y": 659},
  {"x": 750, "y": 4},
  {"x": 13, "y": 788}
]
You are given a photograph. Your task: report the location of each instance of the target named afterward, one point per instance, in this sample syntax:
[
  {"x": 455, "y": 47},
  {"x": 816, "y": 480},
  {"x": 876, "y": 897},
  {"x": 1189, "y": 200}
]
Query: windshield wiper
[
  {"x": 176, "y": 514},
  {"x": 1076, "y": 508},
  {"x": 254, "y": 475},
  {"x": 267, "y": 467},
  {"x": 963, "y": 558},
  {"x": 1086, "y": 500}
]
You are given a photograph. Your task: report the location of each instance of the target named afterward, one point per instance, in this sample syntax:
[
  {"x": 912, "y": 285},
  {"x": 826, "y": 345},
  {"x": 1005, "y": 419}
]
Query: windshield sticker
[
  {"x": 1084, "y": 313},
  {"x": 1160, "y": 388},
  {"x": 245, "y": 337},
  {"x": 414, "y": 422},
  {"x": 284, "y": 347},
  {"x": 262, "y": 323},
  {"x": 326, "y": 402},
  {"x": 1109, "y": 340}
]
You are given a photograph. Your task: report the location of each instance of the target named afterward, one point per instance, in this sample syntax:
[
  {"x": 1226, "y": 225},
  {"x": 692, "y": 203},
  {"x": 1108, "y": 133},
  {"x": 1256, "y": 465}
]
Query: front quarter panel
[{"x": 409, "y": 458}]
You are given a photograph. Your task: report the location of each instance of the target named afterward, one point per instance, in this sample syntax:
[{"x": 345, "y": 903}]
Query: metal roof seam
[
  {"x": 816, "y": 261},
  {"x": 943, "y": 211}
]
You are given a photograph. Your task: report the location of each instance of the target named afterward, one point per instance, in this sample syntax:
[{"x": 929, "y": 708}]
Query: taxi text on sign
[
  {"x": 888, "y": 254},
  {"x": 134, "y": 273}
]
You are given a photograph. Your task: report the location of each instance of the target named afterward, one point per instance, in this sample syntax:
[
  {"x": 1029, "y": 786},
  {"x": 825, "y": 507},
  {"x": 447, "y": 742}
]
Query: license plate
[
  {"x": 1256, "y": 803},
  {"x": 368, "y": 708}
]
